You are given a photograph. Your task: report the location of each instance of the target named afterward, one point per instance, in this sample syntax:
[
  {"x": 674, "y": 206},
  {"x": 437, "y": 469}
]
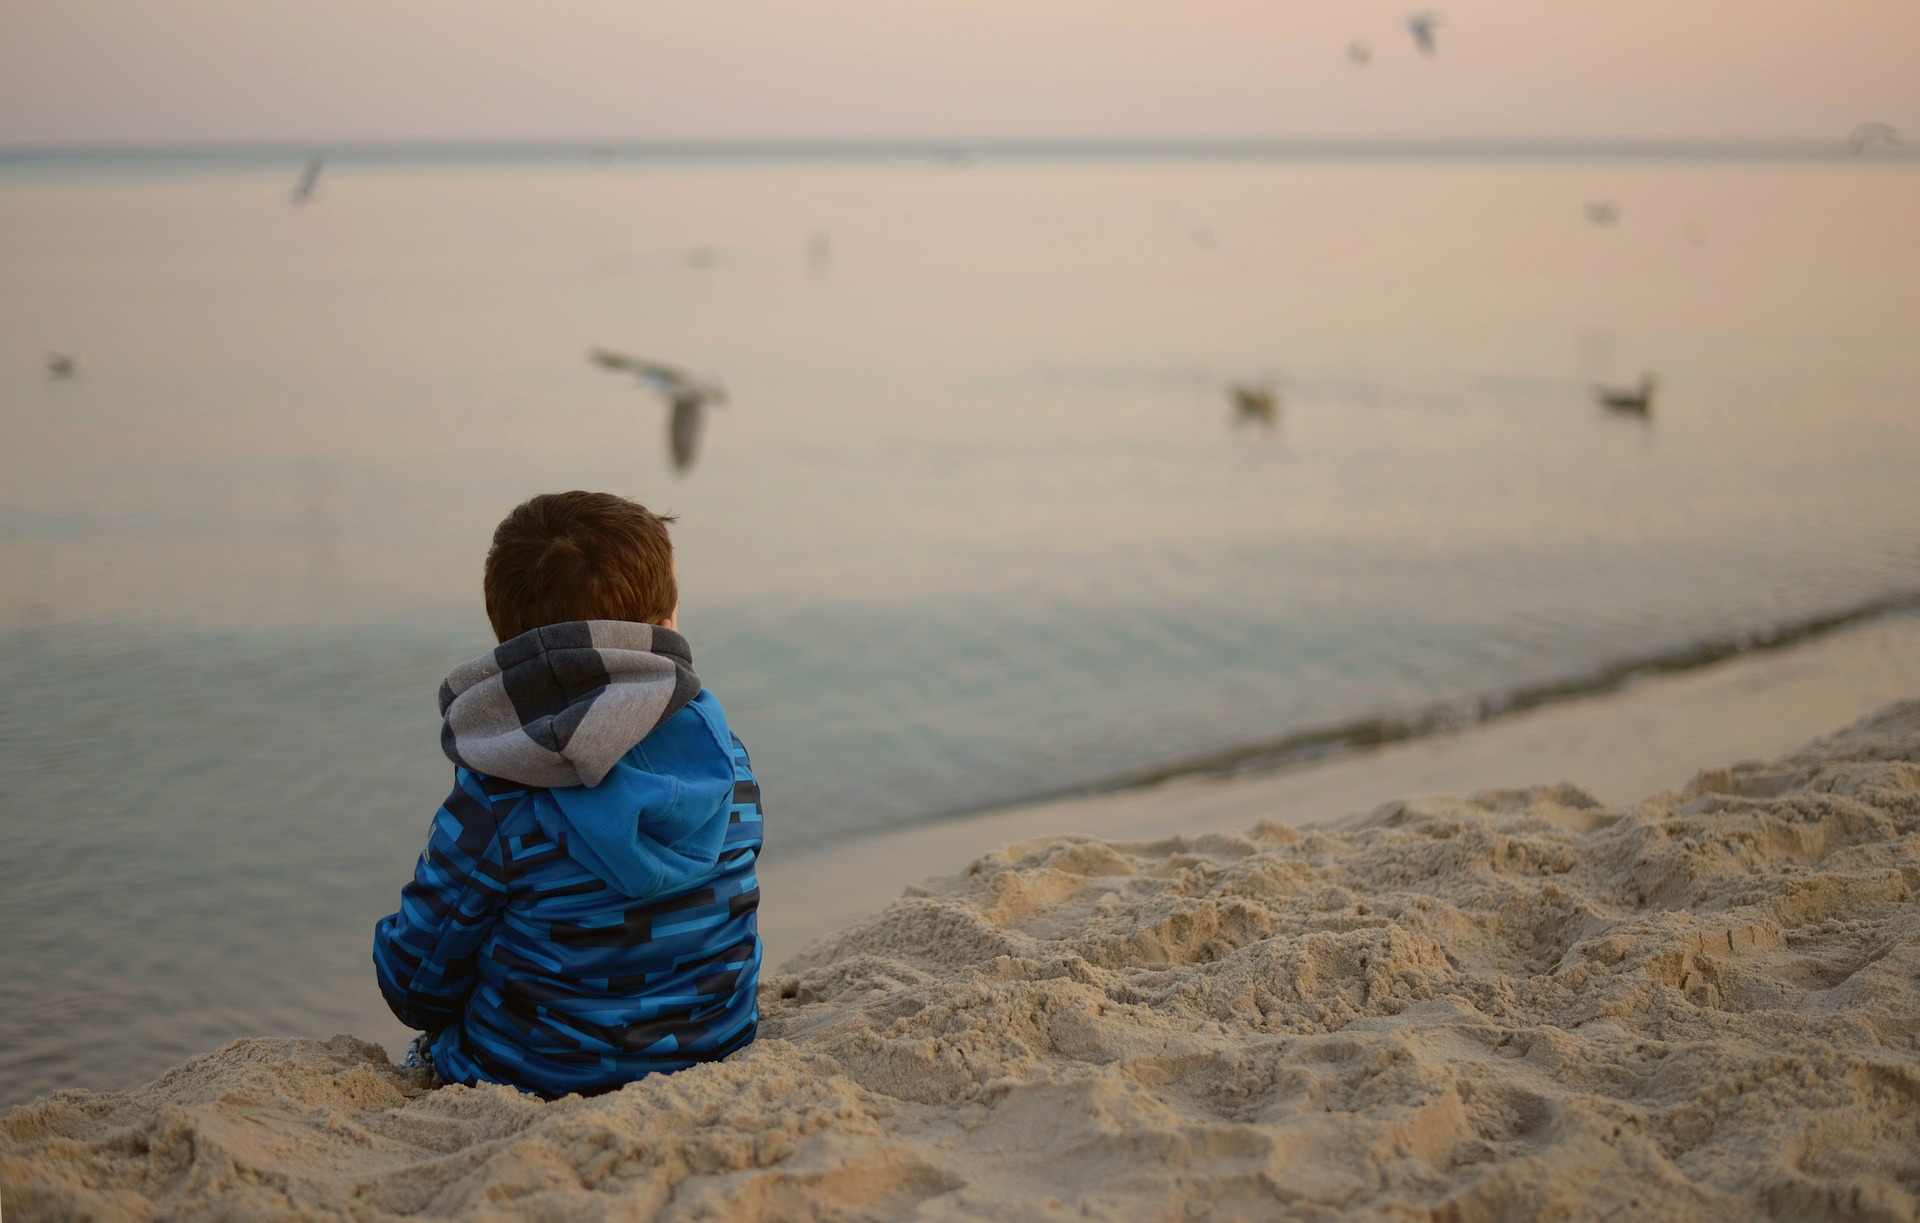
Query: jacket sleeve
[{"x": 426, "y": 954}]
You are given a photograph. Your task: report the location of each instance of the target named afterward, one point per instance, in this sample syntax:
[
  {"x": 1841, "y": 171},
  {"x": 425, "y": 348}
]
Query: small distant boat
[
  {"x": 1255, "y": 401},
  {"x": 1638, "y": 400}
]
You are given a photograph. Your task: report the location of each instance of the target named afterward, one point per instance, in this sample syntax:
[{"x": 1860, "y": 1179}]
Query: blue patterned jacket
[{"x": 573, "y": 938}]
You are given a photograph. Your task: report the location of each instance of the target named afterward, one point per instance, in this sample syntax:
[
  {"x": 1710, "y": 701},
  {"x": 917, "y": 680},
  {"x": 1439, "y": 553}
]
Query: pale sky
[{"x": 374, "y": 70}]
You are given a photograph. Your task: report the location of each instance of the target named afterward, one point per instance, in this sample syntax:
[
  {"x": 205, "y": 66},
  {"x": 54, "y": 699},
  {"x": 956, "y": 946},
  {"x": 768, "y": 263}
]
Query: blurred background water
[{"x": 978, "y": 523}]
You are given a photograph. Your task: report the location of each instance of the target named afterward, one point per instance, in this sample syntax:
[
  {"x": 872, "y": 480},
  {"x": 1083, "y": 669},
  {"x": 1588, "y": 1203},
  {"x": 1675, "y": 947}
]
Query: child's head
[{"x": 580, "y": 556}]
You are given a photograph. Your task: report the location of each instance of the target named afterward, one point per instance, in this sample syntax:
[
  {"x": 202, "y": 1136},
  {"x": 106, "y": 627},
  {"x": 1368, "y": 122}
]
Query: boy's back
[{"x": 584, "y": 912}]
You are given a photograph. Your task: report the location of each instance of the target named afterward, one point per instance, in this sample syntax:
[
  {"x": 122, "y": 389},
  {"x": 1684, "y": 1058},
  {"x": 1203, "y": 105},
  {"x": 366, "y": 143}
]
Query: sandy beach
[{"x": 1532, "y": 1002}]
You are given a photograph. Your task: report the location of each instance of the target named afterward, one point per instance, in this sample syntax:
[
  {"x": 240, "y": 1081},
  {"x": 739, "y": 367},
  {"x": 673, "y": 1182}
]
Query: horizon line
[{"x": 955, "y": 148}]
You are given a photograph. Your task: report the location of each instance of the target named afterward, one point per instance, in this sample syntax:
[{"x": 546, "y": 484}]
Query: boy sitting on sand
[{"x": 583, "y": 915}]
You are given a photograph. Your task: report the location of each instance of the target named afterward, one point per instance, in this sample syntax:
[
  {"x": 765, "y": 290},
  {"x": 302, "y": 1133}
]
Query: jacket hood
[
  {"x": 561, "y": 705},
  {"x": 659, "y": 817}
]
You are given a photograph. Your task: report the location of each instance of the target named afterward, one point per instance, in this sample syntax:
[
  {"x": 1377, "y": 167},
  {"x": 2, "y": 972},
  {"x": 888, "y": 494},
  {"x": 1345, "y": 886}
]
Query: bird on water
[
  {"x": 687, "y": 397},
  {"x": 1257, "y": 401},
  {"x": 61, "y": 365},
  {"x": 1637, "y": 400}
]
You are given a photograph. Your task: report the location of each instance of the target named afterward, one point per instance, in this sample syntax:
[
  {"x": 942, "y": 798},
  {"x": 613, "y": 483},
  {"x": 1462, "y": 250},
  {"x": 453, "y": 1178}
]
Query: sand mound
[{"x": 1517, "y": 1006}]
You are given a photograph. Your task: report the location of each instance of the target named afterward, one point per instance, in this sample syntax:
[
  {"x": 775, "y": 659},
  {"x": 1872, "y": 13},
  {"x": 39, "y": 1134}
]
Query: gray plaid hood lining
[{"x": 558, "y": 706}]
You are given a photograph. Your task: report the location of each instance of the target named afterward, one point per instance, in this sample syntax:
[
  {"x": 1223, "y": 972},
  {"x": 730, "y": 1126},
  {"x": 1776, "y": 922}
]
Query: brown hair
[{"x": 579, "y": 556}]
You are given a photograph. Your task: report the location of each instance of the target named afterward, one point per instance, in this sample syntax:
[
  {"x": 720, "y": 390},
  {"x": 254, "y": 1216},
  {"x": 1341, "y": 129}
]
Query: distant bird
[
  {"x": 1422, "y": 25},
  {"x": 303, "y": 190},
  {"x": 61, "y": 365},
  {"x": 1257, "y": 401},
  {"x": 1198, "y": 232},
  {"x": 687, "y": 396},
  {"x": 700, "y": 257},
  {"x": 1620, "y": 399},
  {"x": 820, "y": 250},
  {"x": 1360, "y": 53},
  {"x": 1603, "y": 212},
  {"x": 1871, "y": 133}
]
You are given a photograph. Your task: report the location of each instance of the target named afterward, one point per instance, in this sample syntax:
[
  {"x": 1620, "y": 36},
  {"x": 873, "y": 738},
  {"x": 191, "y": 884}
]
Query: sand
[
  {"x": 1653, "y": 734},
  {"x": 1526, "y": 1004}
]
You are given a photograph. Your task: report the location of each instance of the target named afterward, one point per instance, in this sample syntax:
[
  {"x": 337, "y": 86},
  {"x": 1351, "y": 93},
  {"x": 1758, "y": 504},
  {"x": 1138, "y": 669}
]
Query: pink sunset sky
[{"x": 132, "y": 71}]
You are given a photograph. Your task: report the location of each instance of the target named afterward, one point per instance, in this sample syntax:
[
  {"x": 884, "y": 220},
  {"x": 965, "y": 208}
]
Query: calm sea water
[{"x": 977, "y": 524}]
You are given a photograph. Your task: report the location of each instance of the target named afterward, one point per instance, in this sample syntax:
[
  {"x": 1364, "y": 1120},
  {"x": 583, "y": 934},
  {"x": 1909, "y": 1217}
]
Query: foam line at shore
[{"x": 1359, "y": 734}]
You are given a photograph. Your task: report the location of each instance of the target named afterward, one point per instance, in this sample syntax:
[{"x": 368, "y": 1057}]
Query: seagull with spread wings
[
  {"x": 309, "y": 178},
  {"x": 686, "y": 395},
  {"x": 1871, "y": 133},
  {"x": 1422, "y": 25}
]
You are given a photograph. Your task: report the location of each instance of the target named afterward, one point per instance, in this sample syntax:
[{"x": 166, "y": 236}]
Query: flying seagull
[
  {"x": 1422, "y": 25},
  {"x": 686, "y": 395},
  {"x": 303, "y": 190},
  {"x": 61, "y": 365},
  {"x": 1638, "y": 400},
  {"x": 1871, "y": 133}
]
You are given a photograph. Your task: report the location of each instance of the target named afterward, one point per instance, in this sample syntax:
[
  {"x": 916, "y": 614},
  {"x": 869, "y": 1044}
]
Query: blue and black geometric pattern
[{"x": 529, "y": 969}]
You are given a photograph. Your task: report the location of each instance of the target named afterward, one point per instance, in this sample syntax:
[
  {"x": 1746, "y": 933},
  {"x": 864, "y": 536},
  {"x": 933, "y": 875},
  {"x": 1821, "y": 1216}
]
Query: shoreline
[
  {"x": 1648, "y": 732},
  {"x": 1333, "y": 741}
]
